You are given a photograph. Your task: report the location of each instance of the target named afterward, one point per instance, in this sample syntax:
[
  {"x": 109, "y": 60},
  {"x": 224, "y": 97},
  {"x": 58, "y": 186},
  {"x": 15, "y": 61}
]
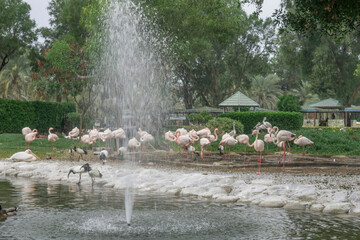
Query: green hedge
[
  {"x": 15, "y": 114},
  {"x": 283, "y": 120}
]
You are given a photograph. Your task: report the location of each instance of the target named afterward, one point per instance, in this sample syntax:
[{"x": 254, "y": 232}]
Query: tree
[
  {"x": 265, "y": 90},
  {"x": 288, "y": 103},
  {"x": 305, "y": 93},
  {"x": 17, "y": 30},
  {"x": 330, "y": 17}
]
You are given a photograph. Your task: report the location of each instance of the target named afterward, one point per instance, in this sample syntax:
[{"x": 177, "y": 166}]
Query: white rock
[
  {"x": 273, "y": 202},
  {"x": 337, "y": 208},
  {"x": 295, "y": 205},
  {"x": 266, "y": 182}
]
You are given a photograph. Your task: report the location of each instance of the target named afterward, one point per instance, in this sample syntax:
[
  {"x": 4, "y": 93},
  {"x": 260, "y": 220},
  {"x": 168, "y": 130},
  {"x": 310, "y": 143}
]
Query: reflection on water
[{"x": 69, "y": 211}]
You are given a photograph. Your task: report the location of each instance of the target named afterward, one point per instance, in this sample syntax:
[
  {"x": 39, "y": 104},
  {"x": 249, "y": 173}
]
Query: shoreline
[{"x": 322, "y": 192}]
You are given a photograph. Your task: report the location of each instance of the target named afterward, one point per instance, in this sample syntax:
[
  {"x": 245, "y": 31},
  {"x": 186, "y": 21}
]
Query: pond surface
[{"x": 54, "y": 210}]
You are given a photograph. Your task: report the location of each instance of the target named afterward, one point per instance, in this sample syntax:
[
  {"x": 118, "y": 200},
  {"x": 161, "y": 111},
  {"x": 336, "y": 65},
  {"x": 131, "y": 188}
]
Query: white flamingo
[
  {"x": 204, "y": 142},
  {"x": 52, "y": 138},
  {"x": 243, "y": 139},
  {"x": 30, "y": 137},
  {"x": 118, "y": 134},
  {"x": 229, "y": 141},
  {"x": 146, "y": 139},
  {"x": 303, "y": 141},
  {"x": 74, "y": 134},
  {"x": 283, "y": 136},
  {"x": 258, "y": 145}
]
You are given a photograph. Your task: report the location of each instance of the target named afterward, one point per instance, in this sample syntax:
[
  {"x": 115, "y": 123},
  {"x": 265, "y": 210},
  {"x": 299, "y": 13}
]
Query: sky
[{"x": 40, "y": 14}]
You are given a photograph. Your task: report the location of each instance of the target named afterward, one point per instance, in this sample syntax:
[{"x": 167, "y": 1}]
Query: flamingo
[
  {"x": 30, "y": 137},
  {"x": 203, "y": 133},
  {"x": 243, "y": 139},
  {"x": 146, "y": 139},
  {"x": 229, "y": 141},
  {"x": 203, "y": 143},
  {"x": 86, "y": 140},
  {"x": 303, "y": 141},
  {"x": 74, "y": 134},
  {"x": 28, "y": 155},
  {"x": 141, "y": 132},
  {"x": 52, "y": 138},
  {"x": 169, "y": 137},
  {"x": 213, "y": 138},
  {"x": 283, "y": 136},
  {"x": 268, "y": 138},
  {"x": 93, "y": 136},
  {"x": 118, "y": 134},
  {"x": 133, "y": 143},
  {"x": 233, "y": 132},
  {"x": 183, "y": 140},
  {"x": 25, "y": 131},
  {"x": 182, "y": 131},
  {"x": 107, "y": 135},
  {"x": 258, "y": 145}
]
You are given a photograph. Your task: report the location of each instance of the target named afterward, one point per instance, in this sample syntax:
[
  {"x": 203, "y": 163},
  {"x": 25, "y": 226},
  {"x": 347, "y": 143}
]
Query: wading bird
[
  {"x": 103, "y": 156},
  {"x": 118, "y": 134},
  {"x": 30, "y": 137},
  {"x": 303, "y": 141},
  {"x": 243, "y": 139},
  {"x": 80, "y": 170},
  {"x": 283, "y": 136},
  {"x": 94, "y": 173},
  {"x": 80, "y": 152},
  {"x": 259, "y": 147},
  {"x": 229, "y": 141},
  {"x": 74, "y": 134},
  {"x": 52, "y": 138},
  {"x": 204, "y": 142}
]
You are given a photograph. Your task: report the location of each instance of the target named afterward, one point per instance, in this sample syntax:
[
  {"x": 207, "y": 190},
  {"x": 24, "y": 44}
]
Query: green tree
[
  {"x": 265, "y": 90},
  {"x": 305, "y": 93},
  {"x": 288, "y": 103},
  {"x": 17, "y": 30}
]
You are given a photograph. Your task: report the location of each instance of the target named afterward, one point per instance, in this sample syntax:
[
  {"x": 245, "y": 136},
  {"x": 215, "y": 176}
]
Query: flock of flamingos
[{"x": 181, "y": 137}]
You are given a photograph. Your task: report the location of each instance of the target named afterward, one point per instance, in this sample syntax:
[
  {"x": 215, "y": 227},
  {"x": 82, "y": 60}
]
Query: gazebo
[
  {"x": 238, "y": 100},
  {"x": 326, "y": 112}
]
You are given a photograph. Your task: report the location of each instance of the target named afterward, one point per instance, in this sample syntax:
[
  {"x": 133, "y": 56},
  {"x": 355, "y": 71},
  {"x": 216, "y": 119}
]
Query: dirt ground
[{"x": 294, "y": 164}]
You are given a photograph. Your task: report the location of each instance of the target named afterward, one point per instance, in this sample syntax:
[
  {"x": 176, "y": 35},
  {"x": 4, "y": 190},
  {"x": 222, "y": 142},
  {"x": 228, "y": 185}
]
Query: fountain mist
[{"x": 133, "y": 76}]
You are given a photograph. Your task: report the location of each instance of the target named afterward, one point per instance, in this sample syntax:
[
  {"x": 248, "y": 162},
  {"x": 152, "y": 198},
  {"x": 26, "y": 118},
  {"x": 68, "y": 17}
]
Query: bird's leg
[
  {"x": 259, "y": 164},
  {"x": 308, "y": 149},
  {"x": 288, "y": 151},
  {"x": 245, "y": 156},
  {"x": 79, "y": 178},
  {"x": 117, "y": 148},
  {"x": 229, "y": 153}
]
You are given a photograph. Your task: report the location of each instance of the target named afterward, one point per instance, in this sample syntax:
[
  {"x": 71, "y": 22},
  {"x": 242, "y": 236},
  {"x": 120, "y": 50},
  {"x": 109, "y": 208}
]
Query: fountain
[{"x": 133, "y": 76}]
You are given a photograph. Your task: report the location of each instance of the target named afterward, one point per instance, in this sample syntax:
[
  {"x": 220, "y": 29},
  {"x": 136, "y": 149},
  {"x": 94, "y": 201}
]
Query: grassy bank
[{"x": 326, "y": 142}]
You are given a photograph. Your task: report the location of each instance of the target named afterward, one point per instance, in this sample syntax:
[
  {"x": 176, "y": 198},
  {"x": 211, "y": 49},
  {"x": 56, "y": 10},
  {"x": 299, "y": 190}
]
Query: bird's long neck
[{"x": 216, "y": 136}]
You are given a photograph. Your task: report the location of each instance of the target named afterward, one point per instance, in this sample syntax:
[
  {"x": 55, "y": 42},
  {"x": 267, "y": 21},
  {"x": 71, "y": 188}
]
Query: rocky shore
[{"x": 313, "y": 184}]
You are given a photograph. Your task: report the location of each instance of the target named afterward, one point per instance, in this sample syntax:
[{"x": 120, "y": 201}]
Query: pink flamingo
[
  {"x": 303, "y": 141},
  {"x": 169, "y": 137},
  {"x": 183, "y": 140},
  {"x": 93, "y": 136},
  {"x": 133, "y": 144},
  {"x": 141, "y": 132},
  {"x": 228, "y": 141},
  {"x": 243, "y": 139},
  {"x": 74, "y": 134},
  {"x": 204, "y": 133},
  {"x": 268, "y": 138},
  {"x": 259, "y": 147},
  {"x": 213, "y": 138},
  {"x": 25, "y": 131},
  {"x": 30, "y": 137},
  {"x": 118, "y": 134},
  {"x": 146, "y": 139},
  {"x": 52, "y": 138},
  {"x": 283, "y": 136},
  {"x": 203, "y": 143},
  {"x": 86, "y": 140}
]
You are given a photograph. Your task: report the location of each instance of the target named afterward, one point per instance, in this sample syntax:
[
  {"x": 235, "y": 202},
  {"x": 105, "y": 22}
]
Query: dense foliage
[
  {"x": 283, "y": 120},
  {"x": 288, "y": 103},
  {"x": 226, "y": 125},
  {"x": 15, "y": 115}
]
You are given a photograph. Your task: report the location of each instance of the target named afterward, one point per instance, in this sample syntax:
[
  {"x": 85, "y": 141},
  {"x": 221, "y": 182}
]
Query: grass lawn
[{"x": 326, "y": 142}]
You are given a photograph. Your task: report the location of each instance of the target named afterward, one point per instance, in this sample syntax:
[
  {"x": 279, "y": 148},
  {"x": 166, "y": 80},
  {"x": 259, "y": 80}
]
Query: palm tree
[
  {"x": 304, "y": 93},
  {"x": 265, "y": 90}
]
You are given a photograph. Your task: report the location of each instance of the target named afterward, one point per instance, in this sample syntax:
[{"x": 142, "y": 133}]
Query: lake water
[{"x": 54, "y": 210}]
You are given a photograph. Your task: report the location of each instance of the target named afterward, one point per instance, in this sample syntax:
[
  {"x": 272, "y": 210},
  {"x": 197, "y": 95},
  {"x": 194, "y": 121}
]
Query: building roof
[
  {"x": 206, "y": 108},
  {"x": 353, "y": 109},
  {"x": 326, "y": 103},
  {"x": 239, "y": 100}
]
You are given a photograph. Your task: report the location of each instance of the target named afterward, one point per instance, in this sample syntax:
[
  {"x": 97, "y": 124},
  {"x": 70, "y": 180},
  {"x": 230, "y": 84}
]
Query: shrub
[
  {"x": 201, "y": 118},
  {"x": 73, "y": 120},
  {"x": 283, "y": 120},
  {"x": 288, "y": 103},
  {"x": 225, "y": 124},
  {"x": 15, "y": 114}
]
